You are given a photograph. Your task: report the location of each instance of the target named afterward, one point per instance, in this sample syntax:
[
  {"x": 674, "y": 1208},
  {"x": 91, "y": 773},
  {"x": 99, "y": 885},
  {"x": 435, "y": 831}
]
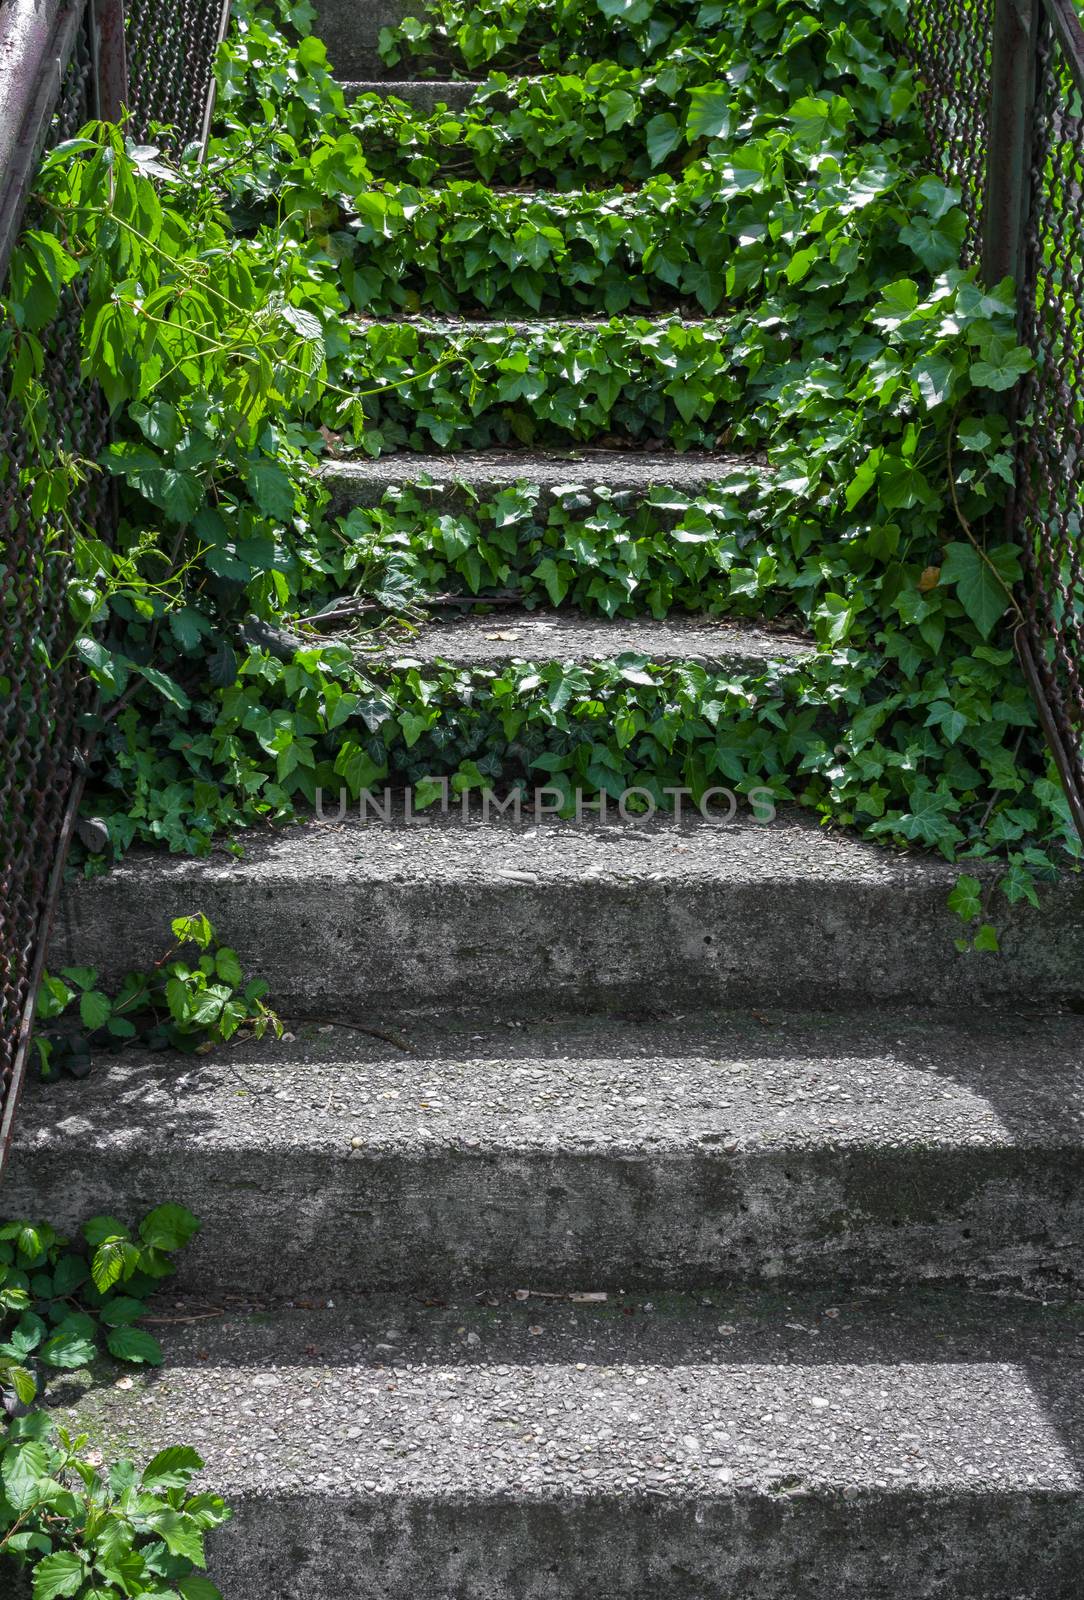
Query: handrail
[{"x": 37, "y": 38}]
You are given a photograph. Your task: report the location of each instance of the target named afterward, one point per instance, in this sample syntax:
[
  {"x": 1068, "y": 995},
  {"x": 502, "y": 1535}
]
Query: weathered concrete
[
  {"x": 351, "y": 31},
  {"x": 541, "y": 636},
  {"x": 487, "y": 327},
  {"x": 592, "y": 1153},
  {"x": 487, "y": 472},
  {"x": 426, "y": 95},
  {"x": 342, "y": 918},
  {"x": 700, "y": 1451}
]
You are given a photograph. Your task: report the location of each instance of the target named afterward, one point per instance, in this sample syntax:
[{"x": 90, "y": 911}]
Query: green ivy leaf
[{"x": 981, "y": 590}]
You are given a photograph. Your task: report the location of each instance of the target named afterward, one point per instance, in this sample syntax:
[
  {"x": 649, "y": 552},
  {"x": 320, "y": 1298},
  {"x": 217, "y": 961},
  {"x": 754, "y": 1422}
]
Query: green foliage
[
  {"x": 91, "y": 1534},
  {"x": 737, "y": 226},
  {"x": 781, "y": 35},
  {"x": 785, "y": 196},
  {"x": 83, "y": 1532},
  {"x": 180, "y": 1004},
  {"x": 58, "y": 1304},
  {"x": 605, "y": 120}
]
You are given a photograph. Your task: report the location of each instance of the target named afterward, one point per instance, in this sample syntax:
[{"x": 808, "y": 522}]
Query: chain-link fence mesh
[
  {"x": 39, "y": 701},
  {"x": 1050, "y": 466},
  {"x": 171, "y": 46},
  {"x": 949, "y": 44},
  {"x": 952, "y": 46},
  {"x": 171, "y": 52}
]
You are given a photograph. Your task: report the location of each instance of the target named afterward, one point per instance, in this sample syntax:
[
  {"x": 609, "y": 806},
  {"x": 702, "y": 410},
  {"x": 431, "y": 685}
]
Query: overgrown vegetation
[
  {"x": 83, "y": 1530},
  {"x": 179, "y": 1004},
  {"x": 784, "y": 195}
]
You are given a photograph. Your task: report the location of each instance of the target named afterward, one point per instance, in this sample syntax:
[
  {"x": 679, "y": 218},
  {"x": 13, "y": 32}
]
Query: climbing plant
[{"x": 857, "y": 369}]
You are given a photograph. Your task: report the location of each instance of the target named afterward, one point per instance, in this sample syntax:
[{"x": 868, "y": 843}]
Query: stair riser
[
  {"x": 425, "y": 96},
  {"x": 304, "y": 1222},
  {"x": 351, "y": 30},
  {"x": 771, "y": 1546},
  {"x": 339, "y": 947}
]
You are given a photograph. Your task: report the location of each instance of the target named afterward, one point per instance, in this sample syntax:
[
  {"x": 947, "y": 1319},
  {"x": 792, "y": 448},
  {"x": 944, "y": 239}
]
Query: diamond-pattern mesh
[
  {"x": 1050, "y": 466},
  {"x": 171, "y": 54},
  {"x": 171, "y": 45},
  {"x": 948, "y": 44}
]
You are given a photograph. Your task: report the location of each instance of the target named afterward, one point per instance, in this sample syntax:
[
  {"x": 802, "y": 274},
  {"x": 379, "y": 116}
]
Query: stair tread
[
  {"x": 793, "y": 849},
  {"x": 937, "y": 1397},
  {"x": 636, "y": 470},
  {"x": 713, "y": 1084},
  {"x": 514, "y": 634},
  {"x": 400, "y": 86},
  {"x": 457, "y": 326},
  {"x": 704, "y": 911}
]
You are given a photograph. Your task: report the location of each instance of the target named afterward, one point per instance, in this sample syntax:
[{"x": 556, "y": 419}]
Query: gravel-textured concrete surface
[
  {"x": 458, "y": 327},
  {"x": 341, "y": 917},
  {"x": 515, "y": 635},
  {"x": 424, "y": 94},
  {"x": 798, "y": 1149},
  {"x": 707, "y": 1448},
  {"x": 487, "y": 472}
]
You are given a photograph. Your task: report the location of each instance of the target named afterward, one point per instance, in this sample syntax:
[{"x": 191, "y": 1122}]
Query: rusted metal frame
[
  {"x": 1067, "y": 30},
  {"x": 37, "y": 40},
  {"x": 1013, "y": 83},
  {"x": 110, "y": 58},
  {"x": 209, "y": 109}
]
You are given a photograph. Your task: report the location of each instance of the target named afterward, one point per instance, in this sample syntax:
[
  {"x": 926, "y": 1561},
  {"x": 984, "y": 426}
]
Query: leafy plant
[
  {"x": 845, "y": 347},
  {"x": 179, "y": 1004},
  {"x": 92, "y": 1534},
  {"x": 82, "y": 1532},
  {"x": 556, "y": 34},
  {"x": 57, "y": 1302}
]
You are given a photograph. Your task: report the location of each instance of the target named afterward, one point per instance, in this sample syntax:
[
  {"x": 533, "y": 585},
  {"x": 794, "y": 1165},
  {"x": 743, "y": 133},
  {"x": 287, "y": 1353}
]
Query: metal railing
[
  {"x": 1002, "y": 96},
  {"x": 62, "y": 63}
]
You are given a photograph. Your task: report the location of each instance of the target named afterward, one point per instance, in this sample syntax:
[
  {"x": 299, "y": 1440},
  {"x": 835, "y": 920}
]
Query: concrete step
[
  {"x": 546, "y": 380},
  {"x": 353, "y": 915},
  {"x": 511, "y": 634},
  {"x": 460, "y": 476},
  {"x": 700, "y": 1449},
  {"x": 424, "y": 94},
  {"x": 351, "y": 31},
  {"x": 452, "y": 1152}
]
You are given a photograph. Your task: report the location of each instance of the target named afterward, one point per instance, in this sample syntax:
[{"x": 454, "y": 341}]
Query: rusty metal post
[
  {"x": 1012, "y": 104},
  {"x": 110, "y": 58}
]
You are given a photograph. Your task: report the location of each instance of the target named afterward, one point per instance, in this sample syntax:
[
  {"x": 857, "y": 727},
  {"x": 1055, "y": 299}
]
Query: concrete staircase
[{"x": 633, "y": 1205}]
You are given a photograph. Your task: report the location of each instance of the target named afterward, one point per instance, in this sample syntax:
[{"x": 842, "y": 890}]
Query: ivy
[
  {"x": 606, "y": 120},
  {"x": 857, "y": 368},
  {"x": 463, "y": 35},
  {"x": 59, "y": 1304}
]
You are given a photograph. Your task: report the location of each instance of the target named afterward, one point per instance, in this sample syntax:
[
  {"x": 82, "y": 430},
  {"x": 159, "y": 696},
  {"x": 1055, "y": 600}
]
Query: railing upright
[{"x": 1009, "y": 139}]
